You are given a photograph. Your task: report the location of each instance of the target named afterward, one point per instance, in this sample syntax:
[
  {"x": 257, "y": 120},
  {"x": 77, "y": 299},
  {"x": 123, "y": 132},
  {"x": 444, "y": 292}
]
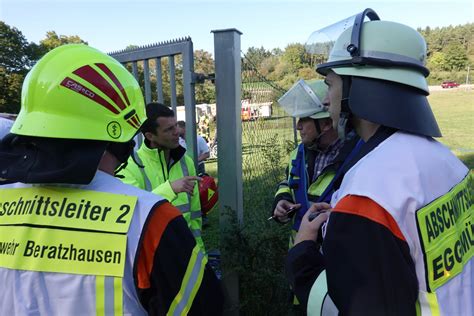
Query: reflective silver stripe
[
  {"x": 142, "y": 171},
  {"x": 319, "y": 301},
  {"x": 195, "y": 215},
  {"x": 283, "y": 185},
  {"x": 428, "y": 304},
  {"x": 193, "y": 280},
  {"x": 109, "y": 296},
  {"x": 184, "y": 167},
  {"x": 196, "y": 232},
  {"x": 185, "y": 170},
  {"x": 184, "y": 208}
]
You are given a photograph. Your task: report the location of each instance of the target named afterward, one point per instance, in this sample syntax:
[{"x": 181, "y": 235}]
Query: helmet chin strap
[
  {"x": 315, "y": 145},
  {"x": 343, "y": 125}
]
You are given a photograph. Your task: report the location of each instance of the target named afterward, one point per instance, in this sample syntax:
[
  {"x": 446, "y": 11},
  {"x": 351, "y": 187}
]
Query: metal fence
[
  {"x": 165, "y": 72},
  {"x": 267, "y": 135}
]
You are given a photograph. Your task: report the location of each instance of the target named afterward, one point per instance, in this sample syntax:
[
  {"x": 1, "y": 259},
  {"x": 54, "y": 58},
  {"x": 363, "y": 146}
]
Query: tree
[
  {"x": 295, "y": 56},
  {"x": 203, "y": 63},
  {"x": 10, "y": 88},
  {"x": 15, "y": 53},
  {"x": 277, "y": 52},
  {"x": 307, "y": 73},
  {"x": 256, "y": 55},
  {"x": 54, "y": 40},
  {"x": 438, "y": 61},
  {"x": 16, "y": 58},
  {"x": 268, "y": 65},
  {"x": 456, "y": 56}
]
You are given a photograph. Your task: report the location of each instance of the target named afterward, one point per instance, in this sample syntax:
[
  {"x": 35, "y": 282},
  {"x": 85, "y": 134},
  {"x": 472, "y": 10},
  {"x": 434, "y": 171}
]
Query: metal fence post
[
  {"x": 229, "y": 139},
  {"x": 146, "y": 75},
  {"x": 172, "y": 82},
  {"x": 189, "y": 101}
]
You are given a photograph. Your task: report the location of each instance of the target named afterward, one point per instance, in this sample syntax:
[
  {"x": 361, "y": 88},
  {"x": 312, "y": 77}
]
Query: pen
[{"x": 290, "y": 210}]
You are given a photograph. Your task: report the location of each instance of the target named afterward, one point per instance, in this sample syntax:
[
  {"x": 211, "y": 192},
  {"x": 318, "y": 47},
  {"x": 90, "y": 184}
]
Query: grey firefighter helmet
[
  {"x": 305, "y": 99},
  {"x": 383, "y": 64}
]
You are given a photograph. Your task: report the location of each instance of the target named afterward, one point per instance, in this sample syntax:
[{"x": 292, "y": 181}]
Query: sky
[{"x": 112, "y": 25}]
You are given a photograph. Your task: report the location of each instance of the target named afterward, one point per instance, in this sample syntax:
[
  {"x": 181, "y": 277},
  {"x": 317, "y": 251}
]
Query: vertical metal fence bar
[
  {"x": 189, "y": 101},
  {"x": 295, "y": 132},
  {"x": 229, "y": 136},
  {"x": 157, "y": 52},
  {"x": 146, "y": 74},
  {"x": 159, "y": 80},
  {"x": 135, "y": 69},
  {"x": 172, "y": 83}
]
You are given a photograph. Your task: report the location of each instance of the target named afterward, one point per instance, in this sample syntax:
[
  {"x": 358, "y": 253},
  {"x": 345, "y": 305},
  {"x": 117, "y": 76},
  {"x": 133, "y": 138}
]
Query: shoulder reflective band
[
  {"x": 142, "y": 171},
  {"x": 446, "y": 230},
  {"x": 83, "y": 233}
]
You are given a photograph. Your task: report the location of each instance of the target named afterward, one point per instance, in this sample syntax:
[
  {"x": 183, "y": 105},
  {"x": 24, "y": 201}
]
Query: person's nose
[
  {"x": 299, "y": 125},
  {"x": 326, "y": 102}
]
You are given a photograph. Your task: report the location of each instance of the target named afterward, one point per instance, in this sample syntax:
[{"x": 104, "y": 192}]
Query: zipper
[{"x": 162, "y": 169}]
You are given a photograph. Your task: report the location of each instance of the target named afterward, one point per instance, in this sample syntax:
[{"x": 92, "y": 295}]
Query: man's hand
[
  {"x": 282, "y": 208},
  {"x": 309, "y": 227},
  {"x": 185, "y": 184}
]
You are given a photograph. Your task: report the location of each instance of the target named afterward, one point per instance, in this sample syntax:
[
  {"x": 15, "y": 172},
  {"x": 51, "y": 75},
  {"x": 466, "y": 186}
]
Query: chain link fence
[{"x": 267, "y": 138}]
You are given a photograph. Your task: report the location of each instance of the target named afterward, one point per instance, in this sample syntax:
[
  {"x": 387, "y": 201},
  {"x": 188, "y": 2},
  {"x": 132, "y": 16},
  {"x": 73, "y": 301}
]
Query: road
[{"x": 463, "y": 86}]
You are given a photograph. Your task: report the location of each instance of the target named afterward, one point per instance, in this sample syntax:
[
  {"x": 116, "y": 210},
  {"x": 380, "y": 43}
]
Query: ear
[
  {"x": 149, "y": 136},
  {"x": 325, "y": 124}
]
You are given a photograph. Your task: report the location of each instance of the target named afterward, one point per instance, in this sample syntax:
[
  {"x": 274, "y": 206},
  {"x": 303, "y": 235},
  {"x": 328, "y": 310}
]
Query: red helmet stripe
[
  {"x": 132, "y": 124},
  {"x": 111, "y": 75},
  {"x": 79, "y": 88},
  {"x": 138, "y": 119},
  {"x": 135, "y": 120},
  {"x": 93, "y": 77}
]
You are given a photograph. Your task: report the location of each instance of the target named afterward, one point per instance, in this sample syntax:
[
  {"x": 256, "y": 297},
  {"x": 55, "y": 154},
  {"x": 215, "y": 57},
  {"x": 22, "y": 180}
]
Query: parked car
[{"x": 449, "y": 84}]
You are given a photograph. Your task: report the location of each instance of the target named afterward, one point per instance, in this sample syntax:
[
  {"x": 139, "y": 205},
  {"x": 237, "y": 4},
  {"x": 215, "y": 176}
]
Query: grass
[{"x": 454, "y": 111}]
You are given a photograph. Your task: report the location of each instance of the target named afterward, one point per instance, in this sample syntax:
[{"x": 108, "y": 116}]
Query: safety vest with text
[
  {"x": 430, "y": 195},
  {"x": 72, "y": 250}
]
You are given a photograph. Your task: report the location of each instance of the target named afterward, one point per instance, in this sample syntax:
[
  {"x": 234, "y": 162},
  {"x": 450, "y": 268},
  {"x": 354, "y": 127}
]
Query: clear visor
[
  {"x": 301, "y": 101},
  {"x": 320, "y": 43}
]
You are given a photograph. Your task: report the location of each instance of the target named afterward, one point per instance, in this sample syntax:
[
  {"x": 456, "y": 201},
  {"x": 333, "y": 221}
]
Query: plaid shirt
[{"x": 324, "y": 158}]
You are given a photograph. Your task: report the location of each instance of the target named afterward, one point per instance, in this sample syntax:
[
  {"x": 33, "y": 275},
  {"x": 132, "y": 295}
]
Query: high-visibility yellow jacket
[{"x": 157, "y": 176}]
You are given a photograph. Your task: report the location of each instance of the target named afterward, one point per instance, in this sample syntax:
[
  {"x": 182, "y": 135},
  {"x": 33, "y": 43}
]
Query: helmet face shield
[
  {"x": 382, "y": 67},
  {"x": 305, "y": 99},
  {"x": 374, "y": 49},
  {"x": 323, "y": 40},
  {"x": 320, "y": 43}
]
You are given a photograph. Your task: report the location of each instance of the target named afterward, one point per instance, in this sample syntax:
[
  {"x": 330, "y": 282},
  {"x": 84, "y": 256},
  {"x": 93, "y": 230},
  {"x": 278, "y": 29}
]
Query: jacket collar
[{"x": 152, "y": 153}]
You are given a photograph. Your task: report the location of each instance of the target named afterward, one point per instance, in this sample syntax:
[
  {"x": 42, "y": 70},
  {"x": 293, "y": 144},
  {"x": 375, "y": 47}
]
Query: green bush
[{"x": 256, "y": 250}]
